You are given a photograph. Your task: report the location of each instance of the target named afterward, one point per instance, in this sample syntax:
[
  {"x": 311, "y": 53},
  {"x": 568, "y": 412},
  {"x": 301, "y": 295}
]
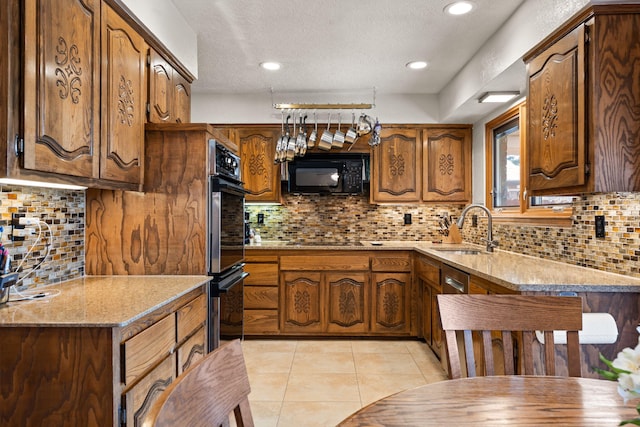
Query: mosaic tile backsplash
[
  {"x": 320, "y": 218},
  {"x": 63, "y": 211}
]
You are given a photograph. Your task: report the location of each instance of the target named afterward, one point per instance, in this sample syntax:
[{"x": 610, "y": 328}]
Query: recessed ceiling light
[
  {"x": 271, "y": 66},
  {"x": 459, "y": 7},
  {"x": 497, "y": 97},
  {"x": 416, "y": 65}
]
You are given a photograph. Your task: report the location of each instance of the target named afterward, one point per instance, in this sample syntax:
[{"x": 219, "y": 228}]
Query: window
[{"x": 507, "y": 178}]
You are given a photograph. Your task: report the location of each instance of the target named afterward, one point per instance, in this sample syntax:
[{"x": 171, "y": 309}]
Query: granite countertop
[
  {"x": 522, "y": 273},
  {"x": 109, "y": 301}
]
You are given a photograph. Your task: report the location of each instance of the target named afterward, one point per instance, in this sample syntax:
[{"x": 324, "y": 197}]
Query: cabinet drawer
[
  {"x": 391, "y": 263},
  {"x": 192, "y": 350},
  {"x": 324, "y": 263},
  {"x": 260, "y": 322},
  {"x": 142, "y": 396},
  {"x": 261, "y": 274},
  {"x": 142, "y": 351},
  {"x": 428, "y": 269},
  {"x": 191, "y": 316},
  {"x": 260, "y": 297}
]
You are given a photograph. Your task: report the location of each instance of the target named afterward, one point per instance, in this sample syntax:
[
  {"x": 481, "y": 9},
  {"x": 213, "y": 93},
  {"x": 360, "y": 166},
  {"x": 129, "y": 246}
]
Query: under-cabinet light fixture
[
  {"x": 26, "y": 183},
  {"x": 497, "y": 97}
]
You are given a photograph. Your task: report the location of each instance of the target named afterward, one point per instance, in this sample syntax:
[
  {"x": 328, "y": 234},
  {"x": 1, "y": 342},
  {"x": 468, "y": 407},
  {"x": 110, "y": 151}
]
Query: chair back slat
[
  {"x": 519, "y": 315},
  {"x": 470, "y": 357},
  {"x": 507, "y": 353}
]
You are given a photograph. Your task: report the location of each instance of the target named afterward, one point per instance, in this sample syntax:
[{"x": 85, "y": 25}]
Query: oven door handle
[
  {"x": 227, "y": 286},
  {"x": 219, "y": 185}
]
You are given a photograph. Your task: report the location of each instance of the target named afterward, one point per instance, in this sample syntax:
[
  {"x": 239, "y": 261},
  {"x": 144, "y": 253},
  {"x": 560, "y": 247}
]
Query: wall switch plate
[
  {"x": 600, "y": 226},
  {"x": 407, "y": 219},
  {"x": 260, "y": 218},
  {"x": 474, "y": 220}
]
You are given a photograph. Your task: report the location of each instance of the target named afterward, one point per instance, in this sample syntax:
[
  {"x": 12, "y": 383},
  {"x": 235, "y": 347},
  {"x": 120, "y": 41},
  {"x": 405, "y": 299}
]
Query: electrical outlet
[
  {"x": 260, "y": 218},
  {"x": 407, "y": 219},
  {"x": 474, "y": 220},
  {"x": 600, "y": 226}
]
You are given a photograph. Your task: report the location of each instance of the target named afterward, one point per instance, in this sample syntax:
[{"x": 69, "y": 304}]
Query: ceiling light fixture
[
  {"x": 497, "y": 97},
  {"x": 271, "y": 66},
  {"x": 459, "y": 7},
  {"x": 416, "y": 65}
]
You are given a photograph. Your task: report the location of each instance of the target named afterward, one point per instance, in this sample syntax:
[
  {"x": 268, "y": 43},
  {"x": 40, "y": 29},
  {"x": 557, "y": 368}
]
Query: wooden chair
[
  {"x": 207, "y": 393},
  {"x": 507, "y": 314}
]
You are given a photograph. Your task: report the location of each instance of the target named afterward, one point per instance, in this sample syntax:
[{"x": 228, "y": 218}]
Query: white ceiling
[{"x": 336, "y": 45}]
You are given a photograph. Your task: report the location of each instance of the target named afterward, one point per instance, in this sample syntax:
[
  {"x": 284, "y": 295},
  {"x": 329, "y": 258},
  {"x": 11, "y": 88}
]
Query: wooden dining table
[{"x": 500, "y": 400}]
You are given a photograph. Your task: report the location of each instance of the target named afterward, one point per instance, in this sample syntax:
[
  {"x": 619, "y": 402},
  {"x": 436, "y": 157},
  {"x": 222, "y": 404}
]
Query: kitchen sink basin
[{"x": 459, "y": 251}]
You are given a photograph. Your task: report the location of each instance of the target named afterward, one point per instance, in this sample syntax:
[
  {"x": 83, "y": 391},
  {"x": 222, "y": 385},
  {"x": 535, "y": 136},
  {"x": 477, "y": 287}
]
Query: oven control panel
[{"x": 225, "y": 162}]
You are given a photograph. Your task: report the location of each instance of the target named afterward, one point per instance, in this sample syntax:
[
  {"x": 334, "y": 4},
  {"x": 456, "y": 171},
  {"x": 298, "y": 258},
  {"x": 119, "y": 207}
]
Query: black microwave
[{"x": 326, "y": 174}]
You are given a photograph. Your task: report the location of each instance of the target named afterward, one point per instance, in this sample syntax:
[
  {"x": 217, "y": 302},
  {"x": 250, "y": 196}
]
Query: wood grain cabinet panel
[
  {"x": 192, "y": 350},
  {"x": 160, "y": 89},
  {"x": 261, "y": 295},
  {"x": 582, "y": 105},
  {"x": 348, "y": 295},
  {"x": 260, "y": 174},
  {"x": 124, "y": 96},
  {"x": 390, "y": 305},
  {"x": 62, "y": 86},
  {"x": 144, "y": 350},
  {"x": 169, "y": 92},
  {"x": 181, "y": 98},
  {"x": 446, "y": 165},
  {"x": 302, "y": 307},
  {"x": 140, "y": 398},
  {"x": 191, "y": 317},
  {"x": 396, "y": 167}
]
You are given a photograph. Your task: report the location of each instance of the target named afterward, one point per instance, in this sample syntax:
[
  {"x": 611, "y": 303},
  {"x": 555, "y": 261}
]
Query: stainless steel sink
[{"x": 460, "y": 251}]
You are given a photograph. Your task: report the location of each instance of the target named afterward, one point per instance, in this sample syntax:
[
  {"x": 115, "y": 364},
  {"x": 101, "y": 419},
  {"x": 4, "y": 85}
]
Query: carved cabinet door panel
[
  {"x": 302, "y": 302},
  {"x": 390, "y": 309},
  {"x": 447, "y": 165},
  {"x": 124, "y": 91},
  {"x": 181, "y": 99},
  {"x": 260, "y": 175},
  {"x": 139, "y": 399},
  {"x": 556, "y": 115},
  {"x": 62, "y": 86},
  {"x": 348, "y": 306},
  {"x": 160, "y": 89},
  {"x": 396, "y": 167}
]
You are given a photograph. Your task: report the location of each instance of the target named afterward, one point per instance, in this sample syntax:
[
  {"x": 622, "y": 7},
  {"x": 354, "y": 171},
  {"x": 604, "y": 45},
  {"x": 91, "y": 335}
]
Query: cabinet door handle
[{"x": 459, "y": 286}]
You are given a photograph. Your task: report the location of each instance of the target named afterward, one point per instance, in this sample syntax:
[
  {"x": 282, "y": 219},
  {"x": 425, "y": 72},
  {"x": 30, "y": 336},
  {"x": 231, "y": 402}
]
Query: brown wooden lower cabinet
[
  {"x": 261, "y": 295},
  {"x": 350, "y": 293},
  {"x": 100, "y": 376}
]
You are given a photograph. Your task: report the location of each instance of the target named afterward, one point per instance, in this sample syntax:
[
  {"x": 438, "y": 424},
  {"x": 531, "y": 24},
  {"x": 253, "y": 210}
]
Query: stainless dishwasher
[{"x": 454, "y": 281}]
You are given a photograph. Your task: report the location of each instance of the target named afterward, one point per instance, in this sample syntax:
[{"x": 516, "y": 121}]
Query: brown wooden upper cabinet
[
  {"x": 169, "y": 92},
  {"x": 446, "y": 165},
  {"x": 124, "y": 90},
  {"x": 436, "y": 168},
  {"x": 396, "y": 166},
  {"x": 260, "y": 174},
  {"x": 62, "y": 87},
  {"x": 583, "y": 101},
  {"x": 77, "y": 53}
]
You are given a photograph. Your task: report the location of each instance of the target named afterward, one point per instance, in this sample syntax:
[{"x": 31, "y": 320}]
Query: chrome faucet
[{"x": 490, "y": 242}]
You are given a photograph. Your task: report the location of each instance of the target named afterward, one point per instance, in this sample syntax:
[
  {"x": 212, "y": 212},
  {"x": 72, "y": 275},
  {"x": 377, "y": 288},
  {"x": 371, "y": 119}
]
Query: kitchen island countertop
[
  {"x": 522, "y": 273},
  {"x": 108, "y": 301}
]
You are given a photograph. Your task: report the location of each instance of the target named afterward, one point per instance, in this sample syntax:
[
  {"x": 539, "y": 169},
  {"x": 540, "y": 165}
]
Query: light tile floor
[{"x": 317, "y": 383}]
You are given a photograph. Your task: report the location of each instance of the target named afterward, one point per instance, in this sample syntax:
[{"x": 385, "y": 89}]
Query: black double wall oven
[{"x": 225, "y": 247}]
